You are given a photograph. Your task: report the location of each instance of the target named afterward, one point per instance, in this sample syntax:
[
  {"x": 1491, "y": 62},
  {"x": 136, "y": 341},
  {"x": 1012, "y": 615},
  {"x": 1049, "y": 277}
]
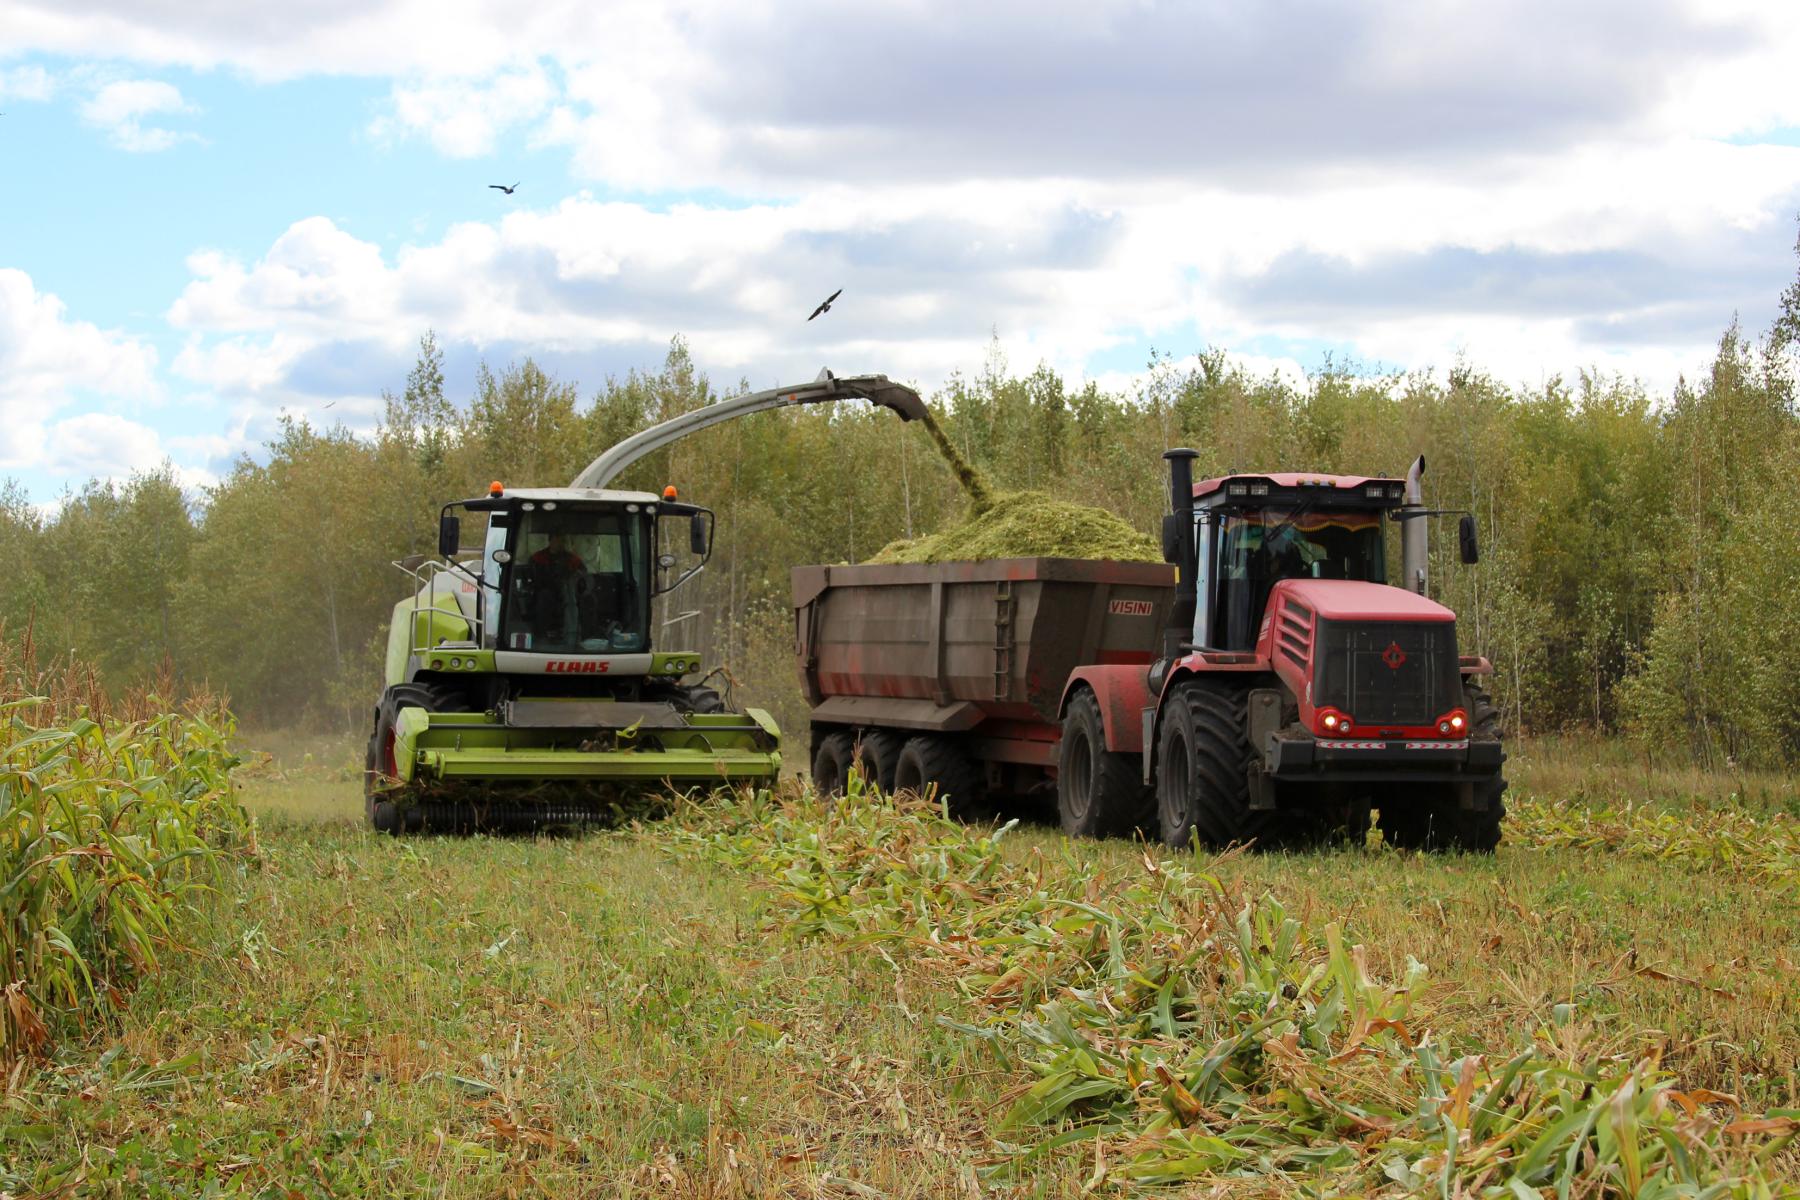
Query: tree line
[{"x": 1640, "y": 553}]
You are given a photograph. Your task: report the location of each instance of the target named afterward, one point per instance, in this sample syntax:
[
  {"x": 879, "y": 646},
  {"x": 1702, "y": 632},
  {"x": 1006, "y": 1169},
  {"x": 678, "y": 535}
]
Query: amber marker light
[
  {"x": 669, "y": 492},
  {"x": 494, "y": 488}
]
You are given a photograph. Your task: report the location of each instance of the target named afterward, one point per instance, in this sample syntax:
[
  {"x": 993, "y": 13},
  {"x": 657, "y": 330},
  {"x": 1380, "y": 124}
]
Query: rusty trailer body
[{"x": 979, "y": 654}]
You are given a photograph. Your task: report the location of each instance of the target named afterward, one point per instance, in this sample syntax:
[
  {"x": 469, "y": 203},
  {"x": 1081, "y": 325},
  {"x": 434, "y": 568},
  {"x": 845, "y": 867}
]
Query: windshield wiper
[{"x": 1300, "y": 510}]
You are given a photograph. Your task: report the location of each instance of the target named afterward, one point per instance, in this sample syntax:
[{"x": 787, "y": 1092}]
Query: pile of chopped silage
[{"x": 1028, "y": 525}]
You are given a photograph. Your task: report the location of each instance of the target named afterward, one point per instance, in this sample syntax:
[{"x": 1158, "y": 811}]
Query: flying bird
[
  {"x": 501, "y": 187},
  {"x": 826, "y": 307}
]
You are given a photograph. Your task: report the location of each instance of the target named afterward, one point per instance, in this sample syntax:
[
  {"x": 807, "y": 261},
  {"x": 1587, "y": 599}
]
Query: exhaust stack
[
  {"x": 1178, "y": 548},
  {"x": 1412, "y": 532}
]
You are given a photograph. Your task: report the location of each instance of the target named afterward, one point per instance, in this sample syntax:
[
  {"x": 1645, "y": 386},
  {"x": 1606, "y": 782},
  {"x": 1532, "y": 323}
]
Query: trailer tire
[
  {"x": 1438, "y": 821},
  {"x": 1099, "y": 793},
  {"x": 1203, "y": 770},
  {"x": 383, "y": 814},
  {"x": 881, "y": 751},
  {"x": 831, "y": 763},
  {"x": 931, "y": 759}
]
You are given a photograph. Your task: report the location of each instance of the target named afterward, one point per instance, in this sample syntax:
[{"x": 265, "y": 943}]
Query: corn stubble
[{"x": 1179, "y": 1032}]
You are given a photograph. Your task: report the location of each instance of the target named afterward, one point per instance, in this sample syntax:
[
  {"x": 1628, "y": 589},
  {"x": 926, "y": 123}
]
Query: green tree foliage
[{"x": 1638, "y": 552}]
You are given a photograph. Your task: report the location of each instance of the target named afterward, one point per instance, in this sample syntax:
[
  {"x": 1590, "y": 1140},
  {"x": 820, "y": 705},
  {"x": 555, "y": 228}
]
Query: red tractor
[
  {"x": 1296, "y": 689},
  {"x": 1293, "y": 693}
]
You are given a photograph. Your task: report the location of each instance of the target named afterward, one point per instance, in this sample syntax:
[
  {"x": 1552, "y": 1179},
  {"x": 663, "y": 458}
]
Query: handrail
[{"x": 426, "y": 574}]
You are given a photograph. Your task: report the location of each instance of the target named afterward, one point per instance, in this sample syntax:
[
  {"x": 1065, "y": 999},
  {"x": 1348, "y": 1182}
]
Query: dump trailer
[
  {"x": 954, "y": 673},
  {"x": 528, "y": 680},
  {"x": 1268, "y": 686}
]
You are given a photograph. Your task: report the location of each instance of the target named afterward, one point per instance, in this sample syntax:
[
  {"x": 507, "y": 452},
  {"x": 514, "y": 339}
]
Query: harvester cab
[
  {"x": 527, "y": 685},
  {"x": 567, "y": 572}
]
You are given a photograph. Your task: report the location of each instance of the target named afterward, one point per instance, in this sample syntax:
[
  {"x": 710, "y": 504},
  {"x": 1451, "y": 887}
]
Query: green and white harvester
[{"x": 527, "y": 686}]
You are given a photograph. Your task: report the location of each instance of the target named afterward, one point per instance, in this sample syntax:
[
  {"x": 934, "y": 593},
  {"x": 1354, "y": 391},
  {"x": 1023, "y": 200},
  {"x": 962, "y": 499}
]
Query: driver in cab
[{"x": 558, "y": 555}]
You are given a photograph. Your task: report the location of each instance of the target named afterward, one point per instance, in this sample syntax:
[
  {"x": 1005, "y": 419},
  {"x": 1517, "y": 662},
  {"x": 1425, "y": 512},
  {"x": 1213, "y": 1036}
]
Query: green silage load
[{"x": 1028, "y": 525}]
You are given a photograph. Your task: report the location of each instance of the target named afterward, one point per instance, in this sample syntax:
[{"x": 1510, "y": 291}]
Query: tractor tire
[
  {"x": 881, "y": 755},
  {"x": 383, "y": 814},
  {"x": 1436, "y": 820},
  {"x": 1203, "y": 770},
  {"x": 1099, "y": 793},
  {"x": 931, "y": 759},
  {"x": 832, "y": 762}
]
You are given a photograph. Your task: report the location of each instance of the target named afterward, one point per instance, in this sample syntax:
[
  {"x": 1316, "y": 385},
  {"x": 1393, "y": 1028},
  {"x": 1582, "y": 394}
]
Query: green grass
[{"x": 609, "y": 1015}]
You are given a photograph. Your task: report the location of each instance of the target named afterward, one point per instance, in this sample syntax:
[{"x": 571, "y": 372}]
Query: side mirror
[
  {"x": 1174, "y": 527},
  {"x": 449, "y": 535},
  {"x": 1465, "y": 537},
  {"x": 699, "y": 535}
]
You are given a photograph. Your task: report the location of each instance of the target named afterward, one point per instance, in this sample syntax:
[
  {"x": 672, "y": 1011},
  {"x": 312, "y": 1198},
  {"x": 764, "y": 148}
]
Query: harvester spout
[{"x": 876, "y": 389}]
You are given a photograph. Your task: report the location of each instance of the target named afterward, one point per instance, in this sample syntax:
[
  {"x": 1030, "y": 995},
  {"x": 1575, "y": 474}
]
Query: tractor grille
[{"x": 1387, "y": 673}]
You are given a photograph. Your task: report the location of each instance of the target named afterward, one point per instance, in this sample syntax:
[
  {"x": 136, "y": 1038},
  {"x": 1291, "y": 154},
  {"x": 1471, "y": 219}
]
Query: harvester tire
[
  {"x": 383, "y": 814},
  {"x": 1203, "y": 770},
  {"x": 832, "y": 761},
  {"x": 1438, "y": 820},
  {"x": 1099, "y": 792},
  {"x": 930, "y": 759},
  {"x": 698, "y": 699}
]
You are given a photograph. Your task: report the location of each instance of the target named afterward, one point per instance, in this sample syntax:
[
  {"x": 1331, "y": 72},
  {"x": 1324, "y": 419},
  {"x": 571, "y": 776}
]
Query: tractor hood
[{"x": 1355, "y": 600}]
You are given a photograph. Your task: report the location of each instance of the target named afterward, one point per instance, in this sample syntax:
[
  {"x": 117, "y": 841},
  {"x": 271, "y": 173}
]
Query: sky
[{"x": 214, "y": 214}]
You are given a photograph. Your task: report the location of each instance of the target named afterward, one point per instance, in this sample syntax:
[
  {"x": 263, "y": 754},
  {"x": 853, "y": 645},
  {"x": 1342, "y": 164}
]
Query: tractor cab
[{"x": 1253, "y": 531}]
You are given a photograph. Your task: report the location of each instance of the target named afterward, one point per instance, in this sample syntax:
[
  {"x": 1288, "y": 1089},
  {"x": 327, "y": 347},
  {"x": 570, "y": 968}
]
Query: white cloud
[
  {"x": 47, "y": 361},
  {"x": 760, "y": 96},
  {"x": 121, "y": 106},
  {"x": 28, "y": 82},
  {"x": 100, "y": 445},
  {"x": 315, "y": 277},
  {"x": 1636, "y": 268},
  {"x": 463, "y": 118}
]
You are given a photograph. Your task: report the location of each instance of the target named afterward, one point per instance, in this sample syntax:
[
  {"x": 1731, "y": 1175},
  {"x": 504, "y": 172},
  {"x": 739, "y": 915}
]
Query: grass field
[{"x": 618, "y": 1015}]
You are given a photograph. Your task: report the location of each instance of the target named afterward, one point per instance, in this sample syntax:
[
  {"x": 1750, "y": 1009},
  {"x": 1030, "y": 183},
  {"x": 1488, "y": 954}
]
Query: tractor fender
[
  {"x": 1192, "y": 666},
  {"x": 1124, "y": 693}
]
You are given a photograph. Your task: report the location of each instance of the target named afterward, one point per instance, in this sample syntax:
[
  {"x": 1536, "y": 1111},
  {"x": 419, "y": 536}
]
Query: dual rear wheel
[{"x": 897, "y": 764}]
